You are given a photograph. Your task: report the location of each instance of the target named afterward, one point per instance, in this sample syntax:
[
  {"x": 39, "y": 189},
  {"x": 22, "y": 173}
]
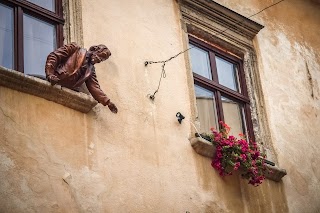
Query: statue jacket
[{"x": 68, "y": 63}]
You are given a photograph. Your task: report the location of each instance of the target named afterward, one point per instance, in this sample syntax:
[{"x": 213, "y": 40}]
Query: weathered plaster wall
[
  {"x": 289, "y": 66},
  {"x": 140, "y": 160},
  {"x": 39, "y": 142}
]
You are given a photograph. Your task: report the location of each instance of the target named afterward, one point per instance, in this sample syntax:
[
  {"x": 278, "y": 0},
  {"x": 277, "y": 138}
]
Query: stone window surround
[
  {"x": 205, "y": 20},
  {"x": 72, "y": 29},
  {"x": 73, "y": 32}
]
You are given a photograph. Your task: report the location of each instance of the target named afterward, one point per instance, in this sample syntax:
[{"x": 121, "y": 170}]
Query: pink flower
[
  {"x": 244, "y": 149},
  {"x": 219, "y": 155},
  {"x": 217, "y": 138},
  {"x": 243, "y": 157},
  {"x": 231, "y": 137},
  {"x": 237, "y": 152},
  {"x": 236, "y": 166},
  {"x": 256, "y": 155}
]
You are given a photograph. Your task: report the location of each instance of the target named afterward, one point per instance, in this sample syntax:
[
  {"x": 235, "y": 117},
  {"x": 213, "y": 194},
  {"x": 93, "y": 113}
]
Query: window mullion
[
  {"x": 219, "y": 106},
  {"x": 58, "y": 6},
  {"x": 214, "y": 85},
  {"x": 37, "y": 10},
  {"x": 19, "y": 38},
  {"x": 213, "y": 66}
]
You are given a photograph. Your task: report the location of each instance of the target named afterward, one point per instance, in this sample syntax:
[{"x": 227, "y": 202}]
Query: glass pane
[
  {"x": 227, "y": 74},
  {"x": 234, "y": 116},
  {"x": 39, "y": 39},
  {"x": 206, "y": 106},
  {"x": 6, "y": 36},
  {"x": 200, "y": 62},
  {"x": 47, "y": 4}
]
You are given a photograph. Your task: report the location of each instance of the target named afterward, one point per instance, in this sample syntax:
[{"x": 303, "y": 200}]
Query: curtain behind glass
[
  {"x": 233, "y": 116},
  {"x": 206, "y": 106}
]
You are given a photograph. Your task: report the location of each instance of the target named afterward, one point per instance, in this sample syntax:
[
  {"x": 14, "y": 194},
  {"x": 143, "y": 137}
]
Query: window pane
[
  {"x": 234, "y": 116},
  {"x": 206, "y": 106},
  {"x": 39, "y": 39},
  {"x": 227, "y": 74},
  {"x": 200, "y": 62},
  {"x": 6, "y": 36},
  {"x": 47, "y": 4}
]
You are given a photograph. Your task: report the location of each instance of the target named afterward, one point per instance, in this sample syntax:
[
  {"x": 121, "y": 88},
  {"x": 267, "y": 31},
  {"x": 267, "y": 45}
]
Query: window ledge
[
  {"x": 34, "y": 86},
  {"x": 205, "y": 148}
]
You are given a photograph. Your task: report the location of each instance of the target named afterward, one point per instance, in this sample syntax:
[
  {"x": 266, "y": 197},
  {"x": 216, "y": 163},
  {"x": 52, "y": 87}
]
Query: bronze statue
[{"x": 71, "y": 66}]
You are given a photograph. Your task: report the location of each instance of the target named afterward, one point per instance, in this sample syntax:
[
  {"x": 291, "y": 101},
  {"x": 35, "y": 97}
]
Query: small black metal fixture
[
  {"x": 180, "y": 117},
  {"x": 152, "y": 97}
]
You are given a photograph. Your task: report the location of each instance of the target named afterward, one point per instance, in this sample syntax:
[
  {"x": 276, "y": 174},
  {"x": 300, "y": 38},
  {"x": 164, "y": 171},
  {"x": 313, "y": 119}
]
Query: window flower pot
[{"x": 207, "y": 149}]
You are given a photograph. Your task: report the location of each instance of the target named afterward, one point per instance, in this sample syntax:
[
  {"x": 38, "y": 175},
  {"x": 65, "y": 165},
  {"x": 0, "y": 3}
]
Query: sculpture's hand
[
  {"x": 53, "y": 79},
  {"x": 112, "y": 107}
]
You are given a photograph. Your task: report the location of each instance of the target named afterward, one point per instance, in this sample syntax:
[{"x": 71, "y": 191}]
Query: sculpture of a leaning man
[{"x": 71, "y": 66}]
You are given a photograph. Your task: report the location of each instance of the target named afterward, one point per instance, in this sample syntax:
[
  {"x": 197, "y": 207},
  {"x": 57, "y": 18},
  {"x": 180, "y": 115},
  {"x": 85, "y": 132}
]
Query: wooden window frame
[
  {"x": 21, "y": 7},
  {"x": 220, "y": 90}
]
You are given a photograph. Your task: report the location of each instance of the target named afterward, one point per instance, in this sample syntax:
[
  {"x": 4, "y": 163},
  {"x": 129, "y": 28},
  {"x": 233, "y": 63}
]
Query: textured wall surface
[
  {"x": 289, "y": 65},
  {"x": 140, "y": 160}
]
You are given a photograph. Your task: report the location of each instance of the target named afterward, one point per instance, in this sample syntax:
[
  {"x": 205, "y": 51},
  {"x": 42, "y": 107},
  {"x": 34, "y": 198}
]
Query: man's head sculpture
[{"x": 99, "y": 53}]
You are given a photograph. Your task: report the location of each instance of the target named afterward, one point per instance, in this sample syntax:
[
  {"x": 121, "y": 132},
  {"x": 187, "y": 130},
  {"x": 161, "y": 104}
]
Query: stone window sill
[
  {"x": 34, "y": 86},
  {"x": 205, "y": 148}
]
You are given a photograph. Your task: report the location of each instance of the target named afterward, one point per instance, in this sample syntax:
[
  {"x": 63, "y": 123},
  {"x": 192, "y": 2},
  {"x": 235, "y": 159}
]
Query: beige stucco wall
[
  {"x": 289, "y": 66},
  {"x": 140, "y": 160}
]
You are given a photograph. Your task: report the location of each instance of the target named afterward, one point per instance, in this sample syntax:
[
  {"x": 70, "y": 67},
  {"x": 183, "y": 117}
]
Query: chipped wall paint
[{"x": 140, "y": 160}]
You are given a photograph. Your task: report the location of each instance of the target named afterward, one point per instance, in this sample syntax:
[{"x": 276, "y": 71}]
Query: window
[
  {"x": 29, "y": 31},
  {"x": 220, "y": 88}
]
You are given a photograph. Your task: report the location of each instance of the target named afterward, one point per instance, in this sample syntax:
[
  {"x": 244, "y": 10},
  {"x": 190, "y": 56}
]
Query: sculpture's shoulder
[
  {"x": 64, "y": 51},
  {"x": 70, "y": 48},
  {"x": 73, "y": 45}
]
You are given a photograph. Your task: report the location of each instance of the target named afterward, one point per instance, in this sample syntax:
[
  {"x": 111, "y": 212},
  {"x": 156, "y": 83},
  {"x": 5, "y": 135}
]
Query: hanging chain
[{"x": 163, "y": 72}]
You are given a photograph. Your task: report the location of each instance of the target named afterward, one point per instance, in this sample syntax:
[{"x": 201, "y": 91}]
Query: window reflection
[
  {"x": 207, "y": 113},
  {"x": 227, "y": 74},
  {"x": 47, "y": 4},
  {"x": 39, "y": 40},
  {"x": 6, "y": 36},
  {"x": 200, "y": 62}
]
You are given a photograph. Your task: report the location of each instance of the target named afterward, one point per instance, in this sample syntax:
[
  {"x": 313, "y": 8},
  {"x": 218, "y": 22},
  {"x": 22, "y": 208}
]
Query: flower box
[{"x": 207, "y": 149}]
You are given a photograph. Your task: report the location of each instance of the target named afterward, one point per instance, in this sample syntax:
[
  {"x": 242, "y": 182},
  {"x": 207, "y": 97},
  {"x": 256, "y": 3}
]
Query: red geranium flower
[{"x": 234, "y": 154}]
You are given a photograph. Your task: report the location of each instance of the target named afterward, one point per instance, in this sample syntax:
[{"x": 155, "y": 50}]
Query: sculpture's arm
[
  {"x": 58, "y": 57},
  {"x": 96, "y": 92}
]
